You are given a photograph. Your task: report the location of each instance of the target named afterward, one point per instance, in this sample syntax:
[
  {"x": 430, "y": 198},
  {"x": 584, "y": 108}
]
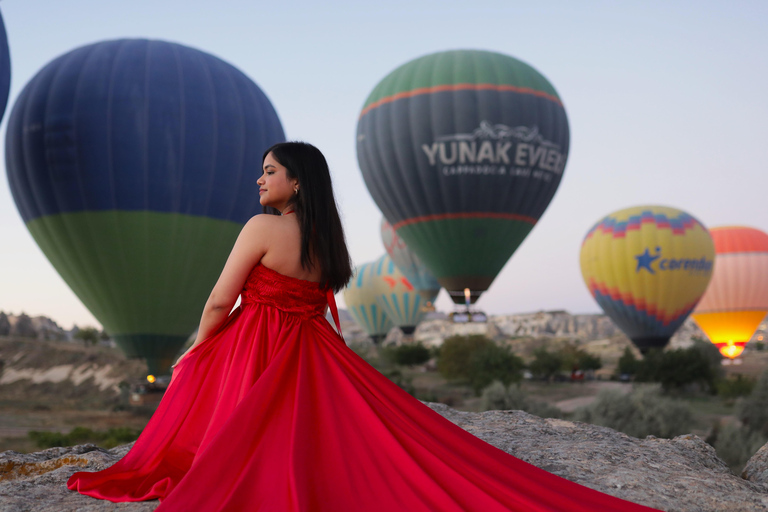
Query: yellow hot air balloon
[
  {"x": 647, "y": 267},
  {"x": 737, "y": 298}
]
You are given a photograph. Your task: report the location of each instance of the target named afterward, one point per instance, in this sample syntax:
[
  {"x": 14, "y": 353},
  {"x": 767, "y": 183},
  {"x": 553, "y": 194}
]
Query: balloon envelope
[
  {"x": 133, "y": 164},
  {"x": 647, "y": 267},
  {"x": 402, "y": 302},
  {"x": 5, "y": 68},
  {"x": 462, "y": 152},
  {"x": 362, "y": 299},
  {"x": 409, "y": 263},
  {"x": 736, "y": 300}
]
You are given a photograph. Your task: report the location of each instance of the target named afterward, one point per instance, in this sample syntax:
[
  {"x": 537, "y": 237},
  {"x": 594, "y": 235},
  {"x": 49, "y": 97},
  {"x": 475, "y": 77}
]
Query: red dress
[{"x": 274, "y": 412}]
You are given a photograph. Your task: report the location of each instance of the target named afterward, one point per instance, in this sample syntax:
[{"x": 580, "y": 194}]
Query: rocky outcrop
[{"x": 681, "y": 474}]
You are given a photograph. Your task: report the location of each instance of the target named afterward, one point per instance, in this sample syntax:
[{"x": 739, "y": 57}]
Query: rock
[
  {"x": 681, "y": 474},
  {"x": 756, "y": 469}
]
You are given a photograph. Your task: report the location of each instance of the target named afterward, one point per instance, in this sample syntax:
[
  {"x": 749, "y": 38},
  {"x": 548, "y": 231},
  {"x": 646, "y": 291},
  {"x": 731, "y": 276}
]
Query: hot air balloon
[
  {"x": 362, "y": 299},
  {"x": 5, "y": 68},
  {"x": 401, "y": 301},
  {"x": 736, "y": 300},
  {"x": 133, "y": 164},
  {"x": 462, "y": 152},
  {"x": 647, "y": 267},
  {"x": 410, "y": 265}
]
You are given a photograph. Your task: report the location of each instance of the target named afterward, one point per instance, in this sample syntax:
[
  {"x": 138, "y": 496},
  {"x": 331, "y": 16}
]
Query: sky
[{"x": 666, "y": 103}]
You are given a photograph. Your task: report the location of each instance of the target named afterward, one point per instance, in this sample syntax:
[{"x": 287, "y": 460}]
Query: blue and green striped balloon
[
  {"x": 399, "y": 298},
  {"x": 361, "y": 297}
]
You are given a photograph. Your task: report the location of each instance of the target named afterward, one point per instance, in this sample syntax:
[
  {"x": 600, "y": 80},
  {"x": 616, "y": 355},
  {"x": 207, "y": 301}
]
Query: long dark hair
[{"x": 322, "y": 237}]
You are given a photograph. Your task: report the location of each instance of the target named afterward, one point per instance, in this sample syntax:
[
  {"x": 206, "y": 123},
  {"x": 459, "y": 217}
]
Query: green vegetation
[
  {"x": 478, "y": 361},
  {"x": 81, "y": 435},
  {"x": 407, "y": 354},
  {"x": 497, "y": 396},
  {"x": 753, "y": 410},
  {"x": 735, "y": 445},
  {"x": 697, "y": 367},
  {"x": 641, "y": 413}
]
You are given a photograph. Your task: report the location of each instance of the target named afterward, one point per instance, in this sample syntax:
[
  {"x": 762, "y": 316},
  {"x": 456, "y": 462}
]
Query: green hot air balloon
[
  {"x": 133, "y": 164},
  {"x": 462, "y": 151}
]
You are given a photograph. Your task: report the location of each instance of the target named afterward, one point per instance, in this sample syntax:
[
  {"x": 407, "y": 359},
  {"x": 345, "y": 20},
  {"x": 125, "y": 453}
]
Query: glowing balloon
[
  {"x": 647, "y": 267},
  {"x": 402, "y": 302},
  {"x": 133, "y": 164},
  {"x": 462, "y": 152},
  {"x": 736, "y": 300},
  {"x": 409, "y": 264},
  {"x": 362, "y": 299}
]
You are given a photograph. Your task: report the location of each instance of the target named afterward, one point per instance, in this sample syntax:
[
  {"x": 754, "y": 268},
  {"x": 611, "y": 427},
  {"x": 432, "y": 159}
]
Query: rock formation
[{"x": 681, "y": 474}]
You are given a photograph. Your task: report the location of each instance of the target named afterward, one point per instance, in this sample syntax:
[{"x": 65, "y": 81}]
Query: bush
[
  {"x": 494, "y": 363},
  {"x": 81, "y": 435},
  {"x": 499, "y": 397},
  {"x": 575, "y": 358},
  {"x": 681, "y": 368},
  {"x": 639, "y": 414},
  {"x": 753, "y": 410},
  {"x": 628, "y": 363},
  {"x": 408, "y": 354},
  {"x": 545, "y": 364},
  {"x": 478, "y": 361},
  {"x": 455, "y": 353},
  {"x": 735, "y": 386},
  {"x": 736, "y": 445}
]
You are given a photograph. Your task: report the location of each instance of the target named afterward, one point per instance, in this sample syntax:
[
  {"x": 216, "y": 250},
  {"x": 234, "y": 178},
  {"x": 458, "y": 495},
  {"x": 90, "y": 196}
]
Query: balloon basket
[{"x": 468, "y": 316}]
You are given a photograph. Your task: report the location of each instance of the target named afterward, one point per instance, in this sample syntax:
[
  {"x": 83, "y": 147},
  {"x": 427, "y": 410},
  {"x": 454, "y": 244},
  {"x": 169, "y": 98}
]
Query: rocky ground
[{"x": 681, "y": 474}]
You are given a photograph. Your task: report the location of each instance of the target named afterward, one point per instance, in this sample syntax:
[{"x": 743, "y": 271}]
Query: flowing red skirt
[{"x": 276, "y": 413}]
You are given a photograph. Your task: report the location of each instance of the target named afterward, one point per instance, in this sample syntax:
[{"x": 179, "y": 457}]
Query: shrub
[
  {"x": 753, "y": 410},
  {"x": 736, "y": 445},
  {"x": 494, "y": 363},
  {"x": 639, "y": 414},
  {"x": 628, "y": 363},
  {"x": 735, "y": 386},
  {"x": 478, "y": 361},
  {"x": 408, "y": 354},
  {"x": 497, "y": 396},
  {"x": 455, "y": 353},
  {"x": 680, "y": 368}
]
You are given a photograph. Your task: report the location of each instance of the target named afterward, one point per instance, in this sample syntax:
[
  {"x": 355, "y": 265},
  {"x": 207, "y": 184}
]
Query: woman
[{"x": 269, "y": 410}]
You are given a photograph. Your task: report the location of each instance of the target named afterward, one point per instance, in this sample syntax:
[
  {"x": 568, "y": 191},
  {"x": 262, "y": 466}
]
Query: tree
[
  {"x": 88, "y": 335},
  {"x": 5, "y": 325},
  {"x": 677, "y": 369},
  {"x": 628, "y": 363},
  {"x": 455, "y": 353},
  {"x": 494, "y": 363},
  {"x": 545, "y": 364},
  {"x": 24, "y": 327}
]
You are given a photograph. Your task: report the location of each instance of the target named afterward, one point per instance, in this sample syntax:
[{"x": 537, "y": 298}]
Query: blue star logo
[{"x": 645, "y": 260}]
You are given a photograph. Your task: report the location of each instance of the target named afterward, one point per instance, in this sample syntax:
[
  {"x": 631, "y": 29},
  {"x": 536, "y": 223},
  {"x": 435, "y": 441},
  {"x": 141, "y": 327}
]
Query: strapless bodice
[{"x": 289, "y": 294}]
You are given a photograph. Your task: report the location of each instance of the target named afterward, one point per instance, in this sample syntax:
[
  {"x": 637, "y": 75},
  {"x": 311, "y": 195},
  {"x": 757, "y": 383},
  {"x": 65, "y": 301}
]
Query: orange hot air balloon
[{"x": 736, "y": 300}]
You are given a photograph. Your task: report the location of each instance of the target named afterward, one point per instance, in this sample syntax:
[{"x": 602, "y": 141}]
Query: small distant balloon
[
  {"x": 736, "y": 300},
  {"x": 409, "y": 264},
  {"x": 462, "y": 151},
  {"x": 647, "y": 267},
  {"x": 362, "y": 299},
  {"x": 402, "y": 302},
  {"x": 133, "y": 164}
]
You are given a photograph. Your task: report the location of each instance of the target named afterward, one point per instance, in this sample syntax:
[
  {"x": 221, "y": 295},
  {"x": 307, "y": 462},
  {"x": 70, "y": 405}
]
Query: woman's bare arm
[{"x": 250, "y": 247}]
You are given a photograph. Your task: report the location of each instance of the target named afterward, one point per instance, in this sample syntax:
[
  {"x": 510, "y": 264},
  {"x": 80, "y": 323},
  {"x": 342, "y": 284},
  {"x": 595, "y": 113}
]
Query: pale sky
[{"x": 666, "y": 102}]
